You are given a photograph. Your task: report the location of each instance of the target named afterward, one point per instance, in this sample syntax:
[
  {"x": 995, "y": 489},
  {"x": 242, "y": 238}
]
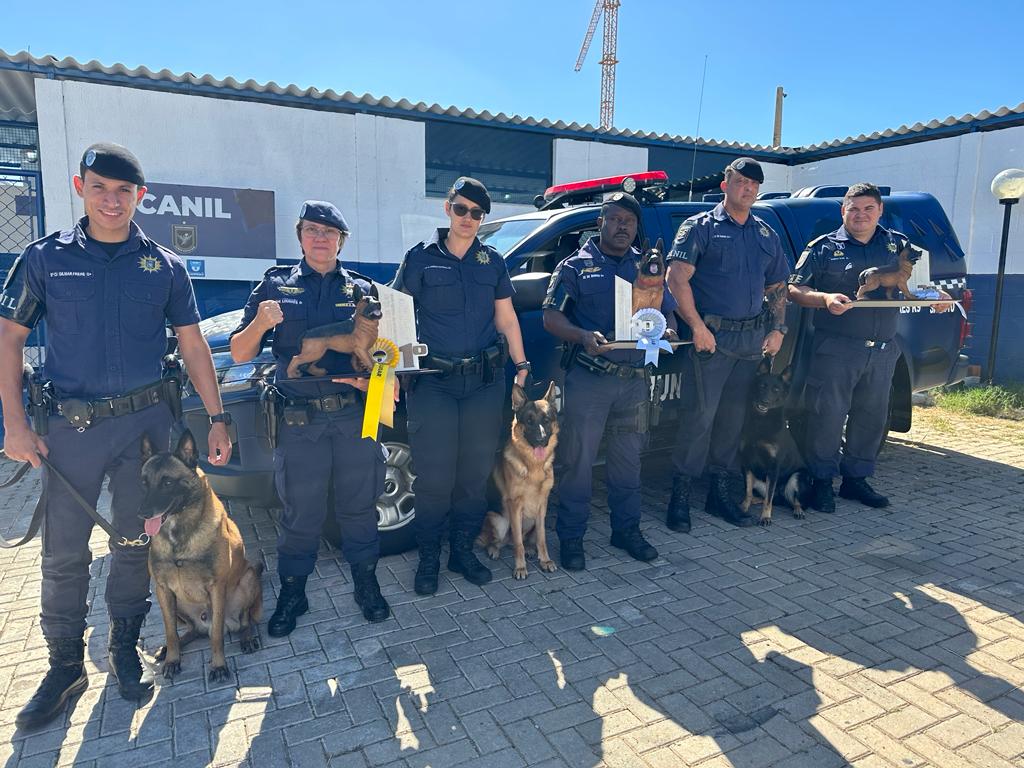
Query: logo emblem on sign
[
  {"x": 149, "y": 264},
  {"x": 483, "y": 258},
  {"x": 184, "y": 237}
]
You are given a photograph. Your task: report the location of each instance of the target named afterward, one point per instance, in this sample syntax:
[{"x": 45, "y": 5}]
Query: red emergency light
[{"x": 629, "y": 182}]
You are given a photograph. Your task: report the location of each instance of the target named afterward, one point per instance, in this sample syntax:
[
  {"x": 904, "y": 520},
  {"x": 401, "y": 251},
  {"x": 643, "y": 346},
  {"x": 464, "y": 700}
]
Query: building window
[{"x": 514, "y": 165}]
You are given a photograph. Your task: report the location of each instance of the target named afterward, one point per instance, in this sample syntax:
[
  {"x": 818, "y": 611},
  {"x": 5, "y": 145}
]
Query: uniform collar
[
  {"x": 593, "y": 251},
  {"x": 720, "y": 214},
  {"x": 136, "y": 241},
  {"x": 842, "y": 234},
  {"x": 302, "y": 269},
  {"x": 441, "y": 234}
]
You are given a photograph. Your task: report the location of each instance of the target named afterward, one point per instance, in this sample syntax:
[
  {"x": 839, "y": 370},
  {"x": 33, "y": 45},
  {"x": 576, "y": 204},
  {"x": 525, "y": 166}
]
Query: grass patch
[{"x": 1001, "y": 402}]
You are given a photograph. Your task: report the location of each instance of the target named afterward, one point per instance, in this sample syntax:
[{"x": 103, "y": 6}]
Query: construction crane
[{"x": 610, "y": 9}]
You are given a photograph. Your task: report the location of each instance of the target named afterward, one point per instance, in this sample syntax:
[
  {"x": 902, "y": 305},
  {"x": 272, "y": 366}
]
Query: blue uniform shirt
[
  {"x": 106, "y": 315},
  {"x": 454, "y": 297},
  {"x": 833, "y": 264},
  {"x": 308, "y": 300},
  {"x": 734, "y": 262},
  {"x": 583, "y": 288}
]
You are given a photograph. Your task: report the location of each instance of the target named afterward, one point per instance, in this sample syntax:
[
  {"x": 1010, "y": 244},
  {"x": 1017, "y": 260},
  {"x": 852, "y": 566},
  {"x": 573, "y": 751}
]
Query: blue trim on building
[{"x": 1010, "y": 354}]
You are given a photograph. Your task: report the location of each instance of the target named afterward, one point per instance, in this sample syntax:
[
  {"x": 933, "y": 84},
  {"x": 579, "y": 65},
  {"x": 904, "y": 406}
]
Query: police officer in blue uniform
[
  {"x": 319, "y": 441},
  {"x": 605, "y": 389},
  {"x": 107, "y": 293},
  {"x": 855, "y": 354},
  {"x": 464, "y": 315},
  {"x": 728, "y": 274}
]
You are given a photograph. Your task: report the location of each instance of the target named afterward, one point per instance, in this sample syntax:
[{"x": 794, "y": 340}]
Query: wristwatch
[
  {"x": 781, "y": 329},
  {"x": 524, "y": 366},
  {"x": 221, "y": 418}
]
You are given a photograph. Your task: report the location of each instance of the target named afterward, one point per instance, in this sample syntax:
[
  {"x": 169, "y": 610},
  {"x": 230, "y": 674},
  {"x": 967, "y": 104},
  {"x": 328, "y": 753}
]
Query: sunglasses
[
  {"x": 320, "y": 233},
  {"x": 461, "y": 210}
]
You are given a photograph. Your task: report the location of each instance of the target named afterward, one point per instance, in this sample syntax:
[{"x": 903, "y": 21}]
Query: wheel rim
[{"x": 395, "y": 507}]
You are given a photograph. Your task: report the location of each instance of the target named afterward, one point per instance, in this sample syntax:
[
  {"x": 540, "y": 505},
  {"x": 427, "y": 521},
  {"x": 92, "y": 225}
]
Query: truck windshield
[{"x": 503, "y": 235}]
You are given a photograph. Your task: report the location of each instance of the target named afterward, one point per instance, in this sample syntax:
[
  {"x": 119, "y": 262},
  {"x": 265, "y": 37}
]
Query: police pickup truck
[{"x": 534, "y": 243}]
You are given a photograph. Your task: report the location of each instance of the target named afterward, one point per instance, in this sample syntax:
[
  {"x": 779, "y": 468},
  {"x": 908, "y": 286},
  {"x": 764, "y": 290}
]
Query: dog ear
[
  {"x": 186, "y": 450},
  {"x": 765, "y": 365},
  {"x": 645, "y": 246},
  {"x": 147, "y": 449},
  {"x": 518, "y": 396},
  {"x": 660, "y": 246},
  {"x": 787, "y": 375},
  {"x": 550, "y": 394}
]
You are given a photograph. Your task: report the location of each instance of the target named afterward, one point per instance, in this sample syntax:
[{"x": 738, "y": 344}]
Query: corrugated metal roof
[{"x": 22, "y": 67}]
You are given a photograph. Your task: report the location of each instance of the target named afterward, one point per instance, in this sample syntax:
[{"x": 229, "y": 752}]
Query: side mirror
[{"x": 530, "y": 290}]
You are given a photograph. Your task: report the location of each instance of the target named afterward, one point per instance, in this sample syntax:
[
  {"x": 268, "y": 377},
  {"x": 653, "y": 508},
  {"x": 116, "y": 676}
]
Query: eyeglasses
[
  {"x": 320, "y": 233},
  {"x": 461, "y": 210}
]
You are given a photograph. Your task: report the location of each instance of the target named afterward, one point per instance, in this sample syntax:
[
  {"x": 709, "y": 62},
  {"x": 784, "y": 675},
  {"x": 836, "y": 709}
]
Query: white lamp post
[{"x": 1007, "y": 188}]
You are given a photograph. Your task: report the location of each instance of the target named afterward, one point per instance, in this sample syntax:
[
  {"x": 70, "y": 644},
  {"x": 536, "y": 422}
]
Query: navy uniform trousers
[
  {"x": 709, "y": 432},
  {"x": 306, "y": 461},
  {"x": 454, "y": 428},
  {"x": 111, "y": 448},
  {"x": 847, "y": 378},
  {"x": 591, "y": 402}
]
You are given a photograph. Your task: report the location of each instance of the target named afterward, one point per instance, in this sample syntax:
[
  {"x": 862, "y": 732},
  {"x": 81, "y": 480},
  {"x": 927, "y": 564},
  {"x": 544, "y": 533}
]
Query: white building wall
[
  {"x": 372, "y": 168},
  {"x": 958, "y": 171},
  {"x": 578, "y": 160}
]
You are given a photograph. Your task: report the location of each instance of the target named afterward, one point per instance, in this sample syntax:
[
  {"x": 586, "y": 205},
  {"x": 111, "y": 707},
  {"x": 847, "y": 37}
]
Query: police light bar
[{"x": 629, "y": 182}]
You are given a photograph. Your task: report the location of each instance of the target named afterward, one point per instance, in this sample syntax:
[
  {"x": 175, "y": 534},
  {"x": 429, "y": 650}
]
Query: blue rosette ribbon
[{"x": 650, "y": 326}]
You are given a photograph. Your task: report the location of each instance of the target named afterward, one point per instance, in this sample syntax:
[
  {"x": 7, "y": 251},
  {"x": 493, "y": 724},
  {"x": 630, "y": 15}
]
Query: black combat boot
[
  {"x": 123, "y": 660},
  {"x": 291, "y": 604},
  {"x": 720, "y": 503},
  {"x": 570, "y": 552},
  {"x": 677, "y": 517},
  {"x": 426, "y": 571},
  {"x": 857, "y": 488},
  {"x": 631, "y": 540},
  {"x": 366, "y": 591},
  {"x": 823, "y": 497},
  {"x": 462, "y": 560},
  {"x": 66, "y": 678}
]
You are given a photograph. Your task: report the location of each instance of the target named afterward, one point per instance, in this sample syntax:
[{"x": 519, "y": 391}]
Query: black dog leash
[{"x": 37, "y": 515}]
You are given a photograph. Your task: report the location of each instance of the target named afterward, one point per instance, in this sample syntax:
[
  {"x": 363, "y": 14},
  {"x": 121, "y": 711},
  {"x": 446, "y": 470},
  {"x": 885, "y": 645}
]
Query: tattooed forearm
[{"x": 776, "y": 296}]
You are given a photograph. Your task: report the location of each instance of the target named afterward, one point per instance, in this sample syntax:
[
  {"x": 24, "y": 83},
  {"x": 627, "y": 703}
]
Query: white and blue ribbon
[{"x": 650, "y": 326}]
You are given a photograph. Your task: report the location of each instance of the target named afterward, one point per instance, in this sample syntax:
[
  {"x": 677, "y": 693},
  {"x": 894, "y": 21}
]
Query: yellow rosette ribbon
[{"x": 380, "y": 401}]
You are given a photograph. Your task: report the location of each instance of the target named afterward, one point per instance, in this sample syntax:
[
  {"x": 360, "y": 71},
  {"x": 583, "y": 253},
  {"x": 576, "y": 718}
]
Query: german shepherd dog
[
  {"x": 197, "y": 559},
  {"x": 771, "y": 460},
  {"x": 649, "y": 286},
  {"x": 354, "y": 336},
  {"x": 524, "y": 475},
  {"x": 890, "y": 276}
]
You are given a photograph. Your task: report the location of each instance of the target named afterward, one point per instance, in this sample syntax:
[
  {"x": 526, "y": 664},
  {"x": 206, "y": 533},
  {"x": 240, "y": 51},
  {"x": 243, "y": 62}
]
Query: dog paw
[
  {"x": 494, "y": 552},
  {"x": 766, "y": 522},
  {"x": 161, "y": 653},
  {"x": 548, "y": 566},
  {"x": 519, "y": 572},
  {"x": 799, "y": 514},
  {"x": 251, "y": 645},
  {"x": 218, "y": 674},
  {"x": 171, "y": 668}
]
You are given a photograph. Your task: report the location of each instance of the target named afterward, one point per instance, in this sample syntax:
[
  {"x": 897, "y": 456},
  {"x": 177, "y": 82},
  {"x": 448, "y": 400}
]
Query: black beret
[
  {"x": 474, "y": 190},
  {"x": 112, "y": 161},
  {"x": 323, "y": 213},
  {"x": 748, "y": 167},
  {"x": 624, "y": 200}
]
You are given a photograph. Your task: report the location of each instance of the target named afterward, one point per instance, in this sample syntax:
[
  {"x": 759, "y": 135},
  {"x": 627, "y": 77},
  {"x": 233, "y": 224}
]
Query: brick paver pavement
[{"x": 867, "y": 638}]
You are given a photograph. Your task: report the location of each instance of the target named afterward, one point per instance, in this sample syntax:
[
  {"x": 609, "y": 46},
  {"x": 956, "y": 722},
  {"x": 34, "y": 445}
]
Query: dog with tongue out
[{"x": 524, "y": 475}]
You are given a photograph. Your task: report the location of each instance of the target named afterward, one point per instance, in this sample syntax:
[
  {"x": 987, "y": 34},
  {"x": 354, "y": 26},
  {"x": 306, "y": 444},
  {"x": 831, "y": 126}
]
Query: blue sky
[{"x": 848, "y": 67}]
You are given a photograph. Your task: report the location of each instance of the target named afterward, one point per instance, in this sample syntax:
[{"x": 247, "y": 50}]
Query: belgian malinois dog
[
  {"x": 890, "y": 276},
  {"x": 197, "y": 559},
  {"x": 649, "y": 286},
  {"x": 771, "y": 461},
  {"x": 349, "y": 337},
  {"x": 524, "y": 475}
]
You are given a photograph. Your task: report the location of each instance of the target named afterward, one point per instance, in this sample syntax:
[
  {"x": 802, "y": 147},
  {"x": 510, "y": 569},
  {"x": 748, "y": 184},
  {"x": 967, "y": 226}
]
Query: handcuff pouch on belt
[{"x": 297, "y": 415}]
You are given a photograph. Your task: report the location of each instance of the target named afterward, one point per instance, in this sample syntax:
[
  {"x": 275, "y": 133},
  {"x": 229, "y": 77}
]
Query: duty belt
[
  {"x": 82, "y": 413},
  {"x": 602, "y": 365},
  {"x": 327, "y": 403},
  {"x": 462, "y": 366},
  {"x": 718, "y": 323}
]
